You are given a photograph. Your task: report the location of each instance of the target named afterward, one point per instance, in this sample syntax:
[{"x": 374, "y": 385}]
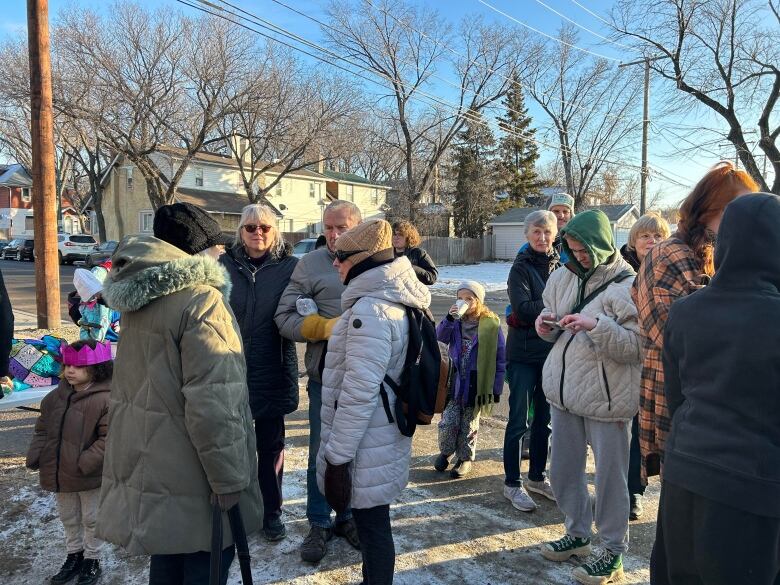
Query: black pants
[
  {"x": 635, "y": 462},
  {"x": 187, "y": 569},
  {"x": 376, "y": 544},
  {"x": 270, "y": 464},
  {"x": 702, "y": 542}
]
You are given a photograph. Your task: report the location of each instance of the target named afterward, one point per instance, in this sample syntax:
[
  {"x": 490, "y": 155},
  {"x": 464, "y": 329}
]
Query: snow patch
[{"x": 492, "y": 275}]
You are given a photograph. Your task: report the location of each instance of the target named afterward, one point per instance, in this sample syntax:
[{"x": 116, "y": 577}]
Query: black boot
[
  {"x": 70, "y": 568},
  {"x": 90, "y": 572}
]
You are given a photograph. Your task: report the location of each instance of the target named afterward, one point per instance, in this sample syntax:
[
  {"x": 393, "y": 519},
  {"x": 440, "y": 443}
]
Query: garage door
[{"x": 509, "y": 239}]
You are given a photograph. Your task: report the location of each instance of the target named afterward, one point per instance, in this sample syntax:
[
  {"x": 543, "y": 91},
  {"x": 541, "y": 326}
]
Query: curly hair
[
  {"x": 409, "y": 232},
  {"x": 709, "y": 198},
  {"x": 97, "y": 372}
]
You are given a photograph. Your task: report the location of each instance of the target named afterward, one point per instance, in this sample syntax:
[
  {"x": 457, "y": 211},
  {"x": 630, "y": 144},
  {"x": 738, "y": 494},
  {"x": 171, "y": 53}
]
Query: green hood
[{"x": 592, "y": 229}]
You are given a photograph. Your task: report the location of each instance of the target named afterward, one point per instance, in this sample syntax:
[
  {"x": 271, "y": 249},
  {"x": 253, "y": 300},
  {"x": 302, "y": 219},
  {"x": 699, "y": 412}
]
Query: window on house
[
  {"x": 26, "y": 195},
  {"x": 312, "y": 190},
  {"x": 198, "y": 177},
  {"x": 350, "y": 193},
  {"x": 145, "y": 221},
  {"x": 130, "y": 178},
  {"x": 375, "y": 196},
  {"x": 29, "y": 223},
  {"x": 278, "y": 189},
  {"x": 287, "y": 225}
]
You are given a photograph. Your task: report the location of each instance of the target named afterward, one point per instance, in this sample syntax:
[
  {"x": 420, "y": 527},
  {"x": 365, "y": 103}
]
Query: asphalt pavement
[{"x": 19, "y": 280}]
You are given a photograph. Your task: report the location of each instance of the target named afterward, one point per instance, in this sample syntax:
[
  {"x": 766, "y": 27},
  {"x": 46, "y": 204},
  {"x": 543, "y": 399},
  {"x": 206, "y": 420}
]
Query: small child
[
  {"x": 68, "y": 447},
  {"x": 95, "y": 320},
  {"x": 476, "y": 347}
]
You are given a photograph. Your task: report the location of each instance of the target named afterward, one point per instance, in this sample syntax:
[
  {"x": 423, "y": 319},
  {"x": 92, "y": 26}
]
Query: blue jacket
[{"x": 465, "y": 387}]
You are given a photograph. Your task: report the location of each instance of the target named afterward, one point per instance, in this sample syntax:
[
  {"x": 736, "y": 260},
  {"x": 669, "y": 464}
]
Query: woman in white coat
[{"x": 363, "y": 459}]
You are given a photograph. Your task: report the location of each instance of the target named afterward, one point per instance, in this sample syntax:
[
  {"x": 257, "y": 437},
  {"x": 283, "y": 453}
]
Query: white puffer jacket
[
  {"x": 595, "y": 373},
  {"x": 369, "y": 341}
]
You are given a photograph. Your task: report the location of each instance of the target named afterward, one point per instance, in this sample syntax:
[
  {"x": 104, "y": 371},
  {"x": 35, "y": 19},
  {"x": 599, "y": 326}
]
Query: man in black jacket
[
  {"x": 6, "y": 328},
  {"x": 719, "y": 515}
]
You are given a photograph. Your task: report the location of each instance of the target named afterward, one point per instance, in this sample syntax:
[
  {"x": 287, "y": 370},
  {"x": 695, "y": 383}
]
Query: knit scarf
[{"x": 487, "y": 334}]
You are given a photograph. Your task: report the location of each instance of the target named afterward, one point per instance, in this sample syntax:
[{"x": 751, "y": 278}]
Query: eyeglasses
[
  {"x": 342, "y": 255},
  {"x": 252, "y": 228}
]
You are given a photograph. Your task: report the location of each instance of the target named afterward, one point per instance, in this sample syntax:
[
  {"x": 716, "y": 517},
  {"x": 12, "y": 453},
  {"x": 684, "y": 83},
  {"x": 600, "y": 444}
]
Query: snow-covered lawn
[{"x": 492, "y": 275}]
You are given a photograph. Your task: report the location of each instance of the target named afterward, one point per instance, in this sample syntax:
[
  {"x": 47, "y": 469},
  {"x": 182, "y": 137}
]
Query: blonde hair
[
  {"x": 256, "y": 213},
  {"x": 409, "y": 232},
  {"x": 650, "y": 222},
  {"x": 481, "y": 310}
]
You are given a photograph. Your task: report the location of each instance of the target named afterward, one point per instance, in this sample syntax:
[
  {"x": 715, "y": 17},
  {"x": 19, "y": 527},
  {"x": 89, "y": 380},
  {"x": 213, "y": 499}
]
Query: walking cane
[{"x": 239, "y": 538}]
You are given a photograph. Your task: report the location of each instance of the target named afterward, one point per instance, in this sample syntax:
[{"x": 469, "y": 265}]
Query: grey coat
[{"x": 314, "y": 277}]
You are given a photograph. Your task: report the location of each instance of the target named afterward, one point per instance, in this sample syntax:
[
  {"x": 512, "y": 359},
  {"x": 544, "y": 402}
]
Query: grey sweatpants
[
  {"x": 610, "y": 441},
  {"x": 78, "y": 512}
]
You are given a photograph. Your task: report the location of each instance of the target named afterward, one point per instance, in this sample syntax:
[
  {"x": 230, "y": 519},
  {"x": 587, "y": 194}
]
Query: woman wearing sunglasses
[{"x": 260, "y": 266}]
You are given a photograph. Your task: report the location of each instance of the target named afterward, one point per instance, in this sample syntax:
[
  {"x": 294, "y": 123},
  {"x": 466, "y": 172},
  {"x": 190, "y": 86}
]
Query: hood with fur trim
[{"x": 146, "y": 268}]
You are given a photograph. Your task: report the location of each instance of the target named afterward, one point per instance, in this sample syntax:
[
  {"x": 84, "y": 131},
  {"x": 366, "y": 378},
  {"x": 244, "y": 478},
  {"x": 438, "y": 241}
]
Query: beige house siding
[
  {"x": 123, "y": 207},
  {"x": 370, "y": 199},
  {"x": 297, "y": 198}
]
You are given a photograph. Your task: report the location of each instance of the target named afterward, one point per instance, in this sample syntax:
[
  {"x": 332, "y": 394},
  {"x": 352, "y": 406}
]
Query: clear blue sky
[{"x": 661, "y": 152}]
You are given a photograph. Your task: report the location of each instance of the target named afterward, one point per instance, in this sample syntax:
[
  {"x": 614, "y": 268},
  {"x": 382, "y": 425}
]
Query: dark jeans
[
  {"x": 270, "y": 464},
  {"x": 187, "y": 569},
  {"x": 635, "y": 462},
  {"x": 525, "y": 388},
  {"x": 702, "y": 542},
  {"x": 376, "y": 544},
  {"x": 317, "y": 509}
]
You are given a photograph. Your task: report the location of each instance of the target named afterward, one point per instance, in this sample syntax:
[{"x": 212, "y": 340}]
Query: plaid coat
[{"x": 670, "y": 271}]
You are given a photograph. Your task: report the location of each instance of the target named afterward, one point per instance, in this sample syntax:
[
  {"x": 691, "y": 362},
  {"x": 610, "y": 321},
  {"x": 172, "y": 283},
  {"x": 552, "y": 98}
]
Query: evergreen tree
[
  {"x": 519, "y": 152},
  {"x": 477, "y": 171}
]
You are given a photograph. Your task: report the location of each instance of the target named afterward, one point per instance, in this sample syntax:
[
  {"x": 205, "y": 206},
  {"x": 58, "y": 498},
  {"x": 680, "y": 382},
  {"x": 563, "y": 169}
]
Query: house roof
[
  {"x": 517, "y": 215},
  {"x": 218, "y": 201},
  {"x": 14, "y": 175},
  {"x": 350, "y": 178},
  {"x": 616, "y": 212}
]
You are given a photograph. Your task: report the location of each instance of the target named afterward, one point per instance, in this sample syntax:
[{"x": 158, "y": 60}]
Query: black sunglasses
[
  {"x": 342, "y": 255},
  {"x": 252, "y": 228}
]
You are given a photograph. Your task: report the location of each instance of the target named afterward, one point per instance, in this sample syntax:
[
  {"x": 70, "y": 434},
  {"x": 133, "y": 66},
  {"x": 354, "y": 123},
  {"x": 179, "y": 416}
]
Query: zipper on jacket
[
  {"x": 606, "y": 385},
  {"x": 563, "y": 367},
  {"x": 59, "y": 444}
]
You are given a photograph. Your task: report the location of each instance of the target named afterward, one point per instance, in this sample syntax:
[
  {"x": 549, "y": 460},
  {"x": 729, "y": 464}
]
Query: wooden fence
[{"x": 455, "y": 250}]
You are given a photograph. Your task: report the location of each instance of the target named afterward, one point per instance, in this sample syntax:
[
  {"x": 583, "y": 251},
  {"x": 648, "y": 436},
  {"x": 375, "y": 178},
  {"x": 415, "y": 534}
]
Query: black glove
[{"x": 338, "y": 486}]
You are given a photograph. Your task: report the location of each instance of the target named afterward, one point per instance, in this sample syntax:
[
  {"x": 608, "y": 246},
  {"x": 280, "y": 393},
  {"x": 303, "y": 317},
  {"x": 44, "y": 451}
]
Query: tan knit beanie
[{"x": 369, "y": 237}]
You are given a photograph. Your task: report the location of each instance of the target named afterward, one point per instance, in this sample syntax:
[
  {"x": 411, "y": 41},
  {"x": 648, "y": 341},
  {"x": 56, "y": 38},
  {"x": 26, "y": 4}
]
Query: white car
[
  {"x": 304, "y": 247},
  {"x": 74, "y": 247}
]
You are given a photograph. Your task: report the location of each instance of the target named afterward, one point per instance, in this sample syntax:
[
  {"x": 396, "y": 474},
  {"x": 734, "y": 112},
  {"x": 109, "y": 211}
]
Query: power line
[
  {"x": 288, "y": 34},
  {"x": 586, "y": 29},
  {"x": 536, "y": 30},
  {"x": 586, "y": 9}
]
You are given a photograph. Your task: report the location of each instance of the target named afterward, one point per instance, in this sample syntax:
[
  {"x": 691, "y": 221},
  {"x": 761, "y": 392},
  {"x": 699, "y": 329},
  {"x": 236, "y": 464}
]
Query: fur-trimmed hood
[{"x": 146, "y": 268}]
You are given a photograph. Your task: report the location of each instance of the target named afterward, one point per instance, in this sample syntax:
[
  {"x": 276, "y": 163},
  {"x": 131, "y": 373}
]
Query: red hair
[{"x": 719, "y": 187}]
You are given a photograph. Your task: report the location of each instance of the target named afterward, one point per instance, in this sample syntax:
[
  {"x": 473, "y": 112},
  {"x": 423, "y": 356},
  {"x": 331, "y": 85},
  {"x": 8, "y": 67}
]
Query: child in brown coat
[{"x": 67, "y": 448}]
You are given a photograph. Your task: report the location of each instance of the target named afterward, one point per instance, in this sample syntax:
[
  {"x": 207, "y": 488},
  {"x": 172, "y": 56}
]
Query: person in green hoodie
[{"x": 591, "y": 379}]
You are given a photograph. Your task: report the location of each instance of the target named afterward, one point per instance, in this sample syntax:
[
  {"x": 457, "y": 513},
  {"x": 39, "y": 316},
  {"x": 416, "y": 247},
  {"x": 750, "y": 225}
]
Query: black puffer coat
[
  {"x": 423, "y": 265},
  {"x": 525, "y": 286},
  {"x": 271, "y": 360}
]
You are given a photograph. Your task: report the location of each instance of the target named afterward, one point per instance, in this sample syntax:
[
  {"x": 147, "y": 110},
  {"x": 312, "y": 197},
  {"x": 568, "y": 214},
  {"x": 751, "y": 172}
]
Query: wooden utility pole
[
  {"x": 645, "y": 171},
  {"x": 47, "y": 272}
]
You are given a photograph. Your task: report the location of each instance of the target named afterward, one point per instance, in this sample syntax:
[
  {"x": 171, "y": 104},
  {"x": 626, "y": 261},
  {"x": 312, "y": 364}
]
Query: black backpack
[{"x": 426, "y": 379}]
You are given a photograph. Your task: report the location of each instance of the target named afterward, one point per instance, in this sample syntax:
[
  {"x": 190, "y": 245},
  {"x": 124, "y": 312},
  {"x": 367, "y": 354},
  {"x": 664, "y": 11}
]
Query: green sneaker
[
  {"x": 607, "y": 567},
  {"x": 565, "y": 548}
]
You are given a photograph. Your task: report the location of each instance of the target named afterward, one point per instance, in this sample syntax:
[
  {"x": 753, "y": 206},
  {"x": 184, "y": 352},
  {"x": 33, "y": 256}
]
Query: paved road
[{"x": 20, "y": 281}]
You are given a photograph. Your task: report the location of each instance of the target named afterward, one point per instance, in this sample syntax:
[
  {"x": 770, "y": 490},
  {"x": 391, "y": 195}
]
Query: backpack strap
[{"x": 619, "y": 278}]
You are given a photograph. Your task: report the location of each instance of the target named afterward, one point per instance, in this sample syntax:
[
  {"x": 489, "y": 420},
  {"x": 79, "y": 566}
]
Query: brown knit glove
[{"x": 338, "y": 486}]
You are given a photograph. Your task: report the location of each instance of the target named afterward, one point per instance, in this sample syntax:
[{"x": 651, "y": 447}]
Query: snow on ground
[
  {"x": 446, "y": 531},
  {"x": 492, "y": 275}
]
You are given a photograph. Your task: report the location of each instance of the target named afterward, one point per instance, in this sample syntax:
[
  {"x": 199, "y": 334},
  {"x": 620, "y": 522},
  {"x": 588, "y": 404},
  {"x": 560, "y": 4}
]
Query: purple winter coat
[{"x": 465, "y": 387}]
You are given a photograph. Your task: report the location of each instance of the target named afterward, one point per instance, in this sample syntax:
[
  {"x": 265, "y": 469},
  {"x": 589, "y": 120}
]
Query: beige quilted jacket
[{"x": 595, "y": 373}]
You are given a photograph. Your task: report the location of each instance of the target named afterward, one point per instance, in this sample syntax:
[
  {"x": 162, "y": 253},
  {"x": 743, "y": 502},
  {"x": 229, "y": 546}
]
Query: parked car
[
  {"x": 74, "y": 247},
  {"x": 3, "y": 244},
  {"x": 19, "y": 249},
  {"x": 304, "y": 247},
  {"x": 101, "y": 253}
]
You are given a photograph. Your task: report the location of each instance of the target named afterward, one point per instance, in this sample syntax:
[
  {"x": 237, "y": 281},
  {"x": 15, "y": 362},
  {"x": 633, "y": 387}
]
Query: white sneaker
[
  {"x": 543, "y": 488},
  {"x": 519, "y": 498}
]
